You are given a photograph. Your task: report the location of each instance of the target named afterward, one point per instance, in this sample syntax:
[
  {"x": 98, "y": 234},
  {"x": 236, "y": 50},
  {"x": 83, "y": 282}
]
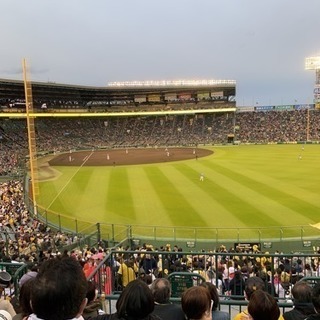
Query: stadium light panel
[
  {"x": 171, "y": 83},
  {"x": 312, "y": 63}
]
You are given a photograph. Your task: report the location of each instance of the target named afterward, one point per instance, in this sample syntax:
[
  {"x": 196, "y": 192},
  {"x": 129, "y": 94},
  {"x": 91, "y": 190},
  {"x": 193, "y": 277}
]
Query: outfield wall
[{"x": 304, "y": 239}]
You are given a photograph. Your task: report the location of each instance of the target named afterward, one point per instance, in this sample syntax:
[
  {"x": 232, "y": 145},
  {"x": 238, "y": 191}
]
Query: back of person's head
[
  {"x": 136, "y": 301},
  {"x": 24, "y": 298},
  {"x": 302, "y": 292},
  {"x": 237, "y": 275},
  {"x": 161, "y": 290},
  {"x": 316, "y": 297},
  {"x": 59, "y": 290},
  {"x": 213, "y": 294},
  {"x": 148, "y": 279},
  {"x": 262, "y": 306},
  {"x": 196, "y": 303},
  {"x": 252, "y": 284}
]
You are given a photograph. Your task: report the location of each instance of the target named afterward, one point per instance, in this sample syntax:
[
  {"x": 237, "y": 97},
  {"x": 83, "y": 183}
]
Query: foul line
[{"x": 83, "y": 163}]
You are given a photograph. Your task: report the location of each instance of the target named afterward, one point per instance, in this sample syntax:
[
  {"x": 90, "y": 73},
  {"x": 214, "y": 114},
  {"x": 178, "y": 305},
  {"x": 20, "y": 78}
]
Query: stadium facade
[{"x": 52, "y": 96}]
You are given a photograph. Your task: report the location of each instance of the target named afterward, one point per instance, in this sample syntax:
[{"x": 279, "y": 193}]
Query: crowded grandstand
[{"x": 142, "y": 115}]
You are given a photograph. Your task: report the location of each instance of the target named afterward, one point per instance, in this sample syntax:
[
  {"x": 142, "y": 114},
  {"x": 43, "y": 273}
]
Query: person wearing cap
[
  {"x": 228, "y": 278},
  {"x": 5, "y": 281},
  {"x": 5, "y": 315}
]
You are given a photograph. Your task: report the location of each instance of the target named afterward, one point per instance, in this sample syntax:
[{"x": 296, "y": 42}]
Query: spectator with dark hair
[
  {"x": 236, "y": 286},
  {"x": 161, "y": 290},
  {"x": 135, "y": 303},
  {"x": 24, "y": 308},
  {"x": 148, "y": 262},
  {"x": 196, "y": 303},
  {"x": 252, "y": 284},
  {"x": 262, "y": 306},
  {"x": 127, "y": 271},
  {"x": 93, "y": 305},
  {"x": 59, "y": 290},
  {"x": 302, "y": 301},
  {"x": 216, "y": 313},
  {"x": 315, "y": 296}
]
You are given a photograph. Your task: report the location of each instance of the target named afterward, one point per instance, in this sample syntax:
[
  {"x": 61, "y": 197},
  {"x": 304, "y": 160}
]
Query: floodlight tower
[
  {"x": 31, "y": 137},
  {"x": 313, "y": 63}
]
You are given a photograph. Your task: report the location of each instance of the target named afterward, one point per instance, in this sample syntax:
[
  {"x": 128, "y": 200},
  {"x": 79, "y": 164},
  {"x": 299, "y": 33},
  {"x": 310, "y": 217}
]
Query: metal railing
[
  {"x": 296, "y": 266},
  {"x": 16, "y": 271},
  {"x": 269, "y": 267}
]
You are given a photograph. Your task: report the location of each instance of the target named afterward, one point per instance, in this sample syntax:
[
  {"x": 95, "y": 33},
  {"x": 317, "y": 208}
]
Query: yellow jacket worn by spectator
[{"x": 127, "y": 271}]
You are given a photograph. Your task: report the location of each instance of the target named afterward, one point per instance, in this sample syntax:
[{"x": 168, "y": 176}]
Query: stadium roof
[{"x": 49, "y": 91}]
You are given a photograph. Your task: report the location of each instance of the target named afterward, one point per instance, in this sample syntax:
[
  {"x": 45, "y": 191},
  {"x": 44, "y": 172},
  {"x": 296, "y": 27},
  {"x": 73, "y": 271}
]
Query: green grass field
[{"x": 246, "y": 186}]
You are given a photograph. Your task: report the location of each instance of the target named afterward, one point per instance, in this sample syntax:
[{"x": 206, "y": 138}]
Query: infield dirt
[{"x": 116, "y": 157}]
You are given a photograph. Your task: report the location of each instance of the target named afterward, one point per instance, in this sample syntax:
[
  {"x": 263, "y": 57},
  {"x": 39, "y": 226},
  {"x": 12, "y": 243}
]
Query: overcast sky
[{"x": 262, "y": 44}]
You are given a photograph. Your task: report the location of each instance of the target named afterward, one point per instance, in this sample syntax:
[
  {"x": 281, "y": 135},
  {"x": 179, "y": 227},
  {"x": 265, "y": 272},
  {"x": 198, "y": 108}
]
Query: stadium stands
[
  {"x": 58, "y": 135},
  {"x": 29, "y": 240}
]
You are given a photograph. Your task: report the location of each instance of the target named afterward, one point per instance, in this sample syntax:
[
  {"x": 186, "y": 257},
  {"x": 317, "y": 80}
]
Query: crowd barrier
[
  {"x": 297, "y": 266},
  {"x": 105, "y": 275}
]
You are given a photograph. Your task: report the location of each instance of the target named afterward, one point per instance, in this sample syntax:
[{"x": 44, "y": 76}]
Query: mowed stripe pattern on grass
[{"x": 246, "y": 186}]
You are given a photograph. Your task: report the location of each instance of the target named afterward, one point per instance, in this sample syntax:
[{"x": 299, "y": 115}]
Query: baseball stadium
[
  {"x": 160, "y": 160},
  {"x": 104, "y": 172},
  {"x": 164, "y": 160}
]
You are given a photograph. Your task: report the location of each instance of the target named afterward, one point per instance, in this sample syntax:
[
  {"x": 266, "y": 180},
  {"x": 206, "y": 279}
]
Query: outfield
[{"x": 244, "y": 186}]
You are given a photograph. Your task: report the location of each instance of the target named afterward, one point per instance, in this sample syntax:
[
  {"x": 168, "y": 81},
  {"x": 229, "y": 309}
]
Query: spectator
[
  {"x": 236, "y": 286},
  {"x": 148, "y": 263},
  {"x": 216, "y": 313},
  {"x": 59, "y": 290},
  {"x": 93, "y": 305},
  {"x": 24, "y": 308},
  {"x": 5, "y": 280},
  {"x": 135, "y": 303},
  {"x": 127, "y": 271},
  {"x": 262, "y": 306},
  {"x": 302, "y": 301},
  {"x": 161, "y": 290},
  {"x": 252, "y": 284},
  {"x": 316, "y": 302},
  {"x": 281, "y": 283},
  {"x": 196, "y": 303}
]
